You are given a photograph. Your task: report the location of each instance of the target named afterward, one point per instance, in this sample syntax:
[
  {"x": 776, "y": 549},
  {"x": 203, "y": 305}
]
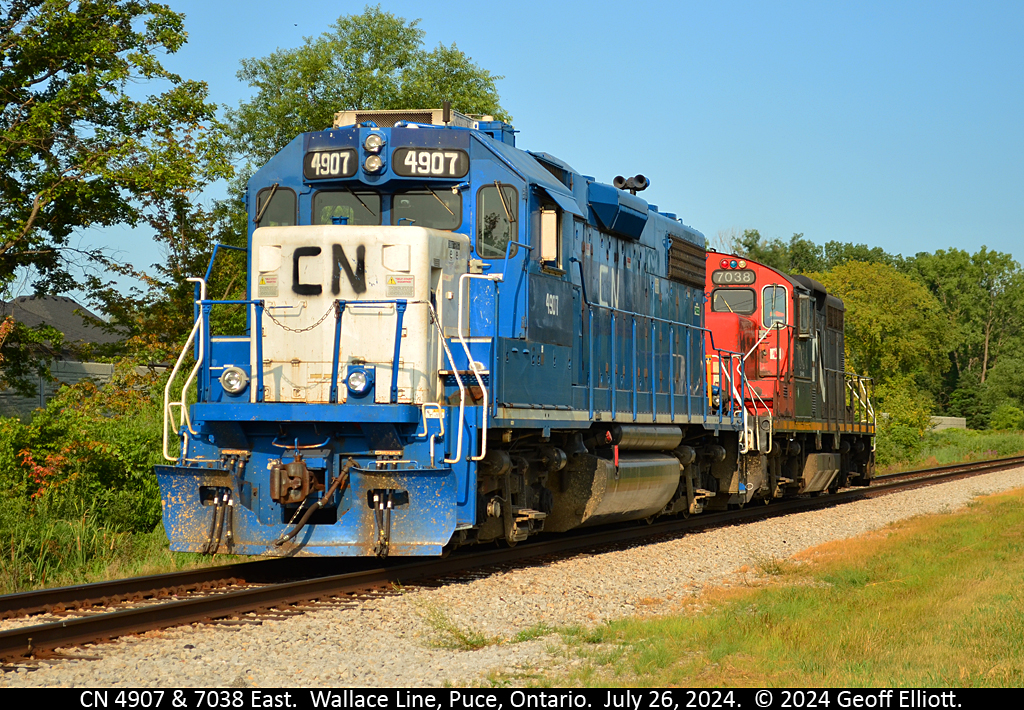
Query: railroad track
[{"x": 360, "y": 578}]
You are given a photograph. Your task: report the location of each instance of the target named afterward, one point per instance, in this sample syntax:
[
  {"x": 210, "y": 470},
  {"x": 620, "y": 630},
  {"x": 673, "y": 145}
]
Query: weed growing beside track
[
  {"x": 41, "y": 550},
  {"x": 960, "y": 445},
  {"x": 934, "y": 601}
]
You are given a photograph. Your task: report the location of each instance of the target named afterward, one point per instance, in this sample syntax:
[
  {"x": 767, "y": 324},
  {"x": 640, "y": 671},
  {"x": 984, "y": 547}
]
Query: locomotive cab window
[
  {"x": 550, "y": 237},
  {"x": 773, "y": 300},
  {"x": 496, "y": 219},
  {"x": 806, "y": 316},
  {"x": 429, "y": 208},
  {"x": 356, "y": 208},
  {"x": 275, "y": 207},
  {"x": 733, "y": 300}
]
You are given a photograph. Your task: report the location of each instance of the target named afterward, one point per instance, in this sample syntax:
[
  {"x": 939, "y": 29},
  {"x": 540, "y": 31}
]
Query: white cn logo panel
[{"x": 301, "y": 271}]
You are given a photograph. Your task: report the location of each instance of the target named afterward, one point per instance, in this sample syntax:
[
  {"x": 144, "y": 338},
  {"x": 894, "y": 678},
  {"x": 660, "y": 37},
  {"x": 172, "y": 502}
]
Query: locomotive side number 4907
[{"x": 551, "y": 301}]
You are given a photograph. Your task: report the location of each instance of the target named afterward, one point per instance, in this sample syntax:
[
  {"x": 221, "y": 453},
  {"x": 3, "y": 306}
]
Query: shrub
[
  {"x": 89, "y": 453},
  {"x": 900, "y": 431},
  {"x": 1006, "y": 417}
]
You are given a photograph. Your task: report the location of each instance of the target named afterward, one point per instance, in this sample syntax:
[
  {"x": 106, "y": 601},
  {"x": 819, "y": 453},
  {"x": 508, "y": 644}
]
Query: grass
[
  {"x": 43, "y": 551},
  {"x": 960, "y": 445},
  {"x": 448, "y": 634},
  {"x": 769, "y": 565},
  {"x": 956, "y": 445},
  {"x": 932, "y": 601},
  {"x": 533, "y": 632}
]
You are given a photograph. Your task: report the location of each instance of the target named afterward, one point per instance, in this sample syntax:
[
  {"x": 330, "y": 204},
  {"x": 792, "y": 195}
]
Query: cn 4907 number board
[
  {"x": 430, "y": 162},
  {"x": 327, "y": 164}
]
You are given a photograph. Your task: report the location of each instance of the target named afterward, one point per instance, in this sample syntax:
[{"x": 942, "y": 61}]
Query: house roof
[{"x": 59, "y": 312}]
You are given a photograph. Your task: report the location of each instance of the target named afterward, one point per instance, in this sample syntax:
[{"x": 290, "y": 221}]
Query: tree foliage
[
  {"x": 983, "y": 297},
  {"x": 802, "y": 256},
  {"x": 80, "y": 147},
  {"x": 371, "y": 61},
  {"x": 77, "y": 150},
  {"x": 894, "y": 326}
]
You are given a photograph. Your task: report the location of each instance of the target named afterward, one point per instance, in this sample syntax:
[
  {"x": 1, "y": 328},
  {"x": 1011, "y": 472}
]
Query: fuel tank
[{"x": 594, "y": 491}]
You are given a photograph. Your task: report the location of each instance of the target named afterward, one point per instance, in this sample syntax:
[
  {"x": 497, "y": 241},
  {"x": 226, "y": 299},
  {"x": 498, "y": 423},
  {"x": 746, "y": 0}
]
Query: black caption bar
[{"x": 506, "y": 699}]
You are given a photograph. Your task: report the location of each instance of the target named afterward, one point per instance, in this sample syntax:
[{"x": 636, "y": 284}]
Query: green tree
[
  {"x": 839, "y": 253},
  {"x": 906, "y": 412},
  {"x": 79, "y": 148},
  {"x": 983, "y": 297},
  {"x": 894, "y": 326},
  {"x": 1005, "y": 384},
  {"x": 1007, "y": 417},
  {"x": 374, "y": 60},
  {"x": 798, "y": 256},
  {"x": 801, "y": 255}
]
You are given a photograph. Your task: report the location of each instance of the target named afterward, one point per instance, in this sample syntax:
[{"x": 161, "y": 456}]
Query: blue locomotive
[{"x": 450, "y": 340}]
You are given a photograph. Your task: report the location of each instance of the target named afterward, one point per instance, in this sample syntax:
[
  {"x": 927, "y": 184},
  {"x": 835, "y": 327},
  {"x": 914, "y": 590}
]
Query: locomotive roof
[
  {"x": 538, "y": 168},
  {"x": 527, "y": 165}
]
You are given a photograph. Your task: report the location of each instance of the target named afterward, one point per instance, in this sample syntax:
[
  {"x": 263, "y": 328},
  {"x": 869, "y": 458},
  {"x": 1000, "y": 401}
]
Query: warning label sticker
[
  {"x": 267, "y": 285},
  {"x": 400, "y": 286}
]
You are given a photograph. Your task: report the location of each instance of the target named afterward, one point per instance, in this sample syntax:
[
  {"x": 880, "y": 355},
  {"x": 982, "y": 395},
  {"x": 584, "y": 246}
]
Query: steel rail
[
  {"x": 262, "y": 571},
  {"x": 23, "y": 642},
  {"x": 102, "y": 593},
  {"x": 995, "y": 464}
]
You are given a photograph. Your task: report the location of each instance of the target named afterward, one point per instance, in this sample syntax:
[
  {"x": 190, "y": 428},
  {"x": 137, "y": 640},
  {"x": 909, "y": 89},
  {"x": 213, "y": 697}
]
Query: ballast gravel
[{"x": 393, "y": 641}]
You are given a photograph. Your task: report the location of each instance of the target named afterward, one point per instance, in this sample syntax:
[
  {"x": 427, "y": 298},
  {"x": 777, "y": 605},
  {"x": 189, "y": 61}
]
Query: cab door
[{"x": 498, "y": 231}]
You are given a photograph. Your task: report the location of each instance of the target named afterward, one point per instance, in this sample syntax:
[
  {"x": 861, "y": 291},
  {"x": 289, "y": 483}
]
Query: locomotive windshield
[
  {"x": 358, "y": 208},
  {"x": 433, "y": 209},
  {"x": 276, "y": 207},
  {"x": 733, "y": 300}
]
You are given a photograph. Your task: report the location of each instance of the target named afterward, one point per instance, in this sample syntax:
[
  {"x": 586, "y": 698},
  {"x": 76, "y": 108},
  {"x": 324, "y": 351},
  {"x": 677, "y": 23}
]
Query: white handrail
[
  {"x": 174, "y": 372},
  {"x": 199, "y": 359},
  {"x": 777, "y": 325},
  {"x": 736, "y": 396},
  {"x": 458, "y": 381}
]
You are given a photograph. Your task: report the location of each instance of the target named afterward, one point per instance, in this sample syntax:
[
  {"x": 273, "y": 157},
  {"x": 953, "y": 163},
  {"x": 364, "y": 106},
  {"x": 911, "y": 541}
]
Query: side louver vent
[{"x": 686, "y": 263}]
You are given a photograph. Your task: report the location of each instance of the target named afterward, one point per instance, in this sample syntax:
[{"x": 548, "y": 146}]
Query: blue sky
[{"x": 894, "y": 124}]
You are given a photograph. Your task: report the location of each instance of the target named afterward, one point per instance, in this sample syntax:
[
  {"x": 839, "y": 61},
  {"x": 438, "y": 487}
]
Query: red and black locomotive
[{"x": 813, "y": 421}]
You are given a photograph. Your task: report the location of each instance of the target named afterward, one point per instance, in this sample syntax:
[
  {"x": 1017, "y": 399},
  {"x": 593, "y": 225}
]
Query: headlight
[
  {"x": 374, "y": 142},
  {"x": 233, "y": 380},
  {"x": 373, "y": 163},
  {"x": 358, "y": 382}
]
